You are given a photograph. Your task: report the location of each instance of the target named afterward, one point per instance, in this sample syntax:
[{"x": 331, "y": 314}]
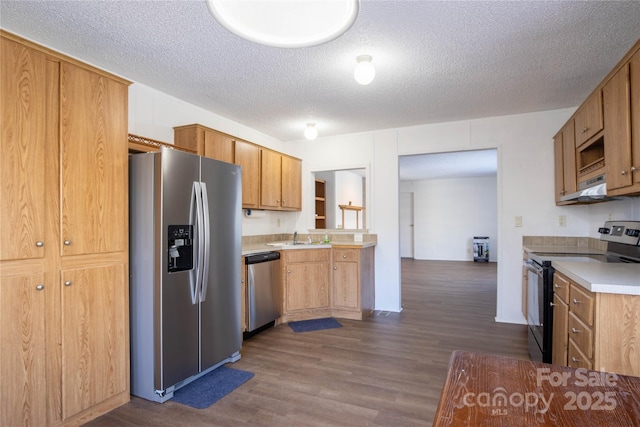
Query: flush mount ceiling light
[
  {"x": 364, "y": 72},
  {"x": 286, "y": 23},
  {"x": 311, "y": 132}
]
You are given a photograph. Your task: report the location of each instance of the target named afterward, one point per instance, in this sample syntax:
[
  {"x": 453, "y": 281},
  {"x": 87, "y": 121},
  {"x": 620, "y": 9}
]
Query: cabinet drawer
[
  {"x": 577, "y": 359},
  {"x": 346, "y": 255},
  {"x": 581, "y": 334},
  {"x": 306, "y": 255},
  {"x": 581, "y": 303},
  {"x": 561, "y": 287}
]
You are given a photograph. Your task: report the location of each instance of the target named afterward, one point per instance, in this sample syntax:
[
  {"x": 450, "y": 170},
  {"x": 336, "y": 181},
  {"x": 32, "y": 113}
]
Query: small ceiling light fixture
[
  {"x": 364, "y": 72},
  {"x": 311, "y": 132},
  {"x": 286, "y": 23}
]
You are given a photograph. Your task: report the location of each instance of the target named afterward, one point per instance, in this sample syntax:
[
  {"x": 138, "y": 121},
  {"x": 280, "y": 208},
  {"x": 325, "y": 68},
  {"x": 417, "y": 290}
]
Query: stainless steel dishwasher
[{"x": 264, "y": 286}]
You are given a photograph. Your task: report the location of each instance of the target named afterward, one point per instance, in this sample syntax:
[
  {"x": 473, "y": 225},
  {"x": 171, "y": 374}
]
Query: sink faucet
[{"x": 295, "y": 237}]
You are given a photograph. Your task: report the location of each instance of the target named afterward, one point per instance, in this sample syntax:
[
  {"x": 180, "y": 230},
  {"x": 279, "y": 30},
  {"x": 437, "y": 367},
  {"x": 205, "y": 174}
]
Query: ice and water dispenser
[{"x": 180, "y": 243}]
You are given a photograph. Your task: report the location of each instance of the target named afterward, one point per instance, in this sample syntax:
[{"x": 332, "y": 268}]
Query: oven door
[{"x": 535, "y": 300}]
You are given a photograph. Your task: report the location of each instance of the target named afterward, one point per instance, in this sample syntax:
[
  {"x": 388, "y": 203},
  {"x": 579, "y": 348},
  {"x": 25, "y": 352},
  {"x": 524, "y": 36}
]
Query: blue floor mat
[
  {"x": 315, "y": 324},
  {"x": 215, "y": 385}
]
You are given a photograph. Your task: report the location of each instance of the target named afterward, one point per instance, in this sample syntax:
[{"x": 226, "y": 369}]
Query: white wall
[
  {"x": 525, "y": 185},
  {"x": 448, "y": 213}
]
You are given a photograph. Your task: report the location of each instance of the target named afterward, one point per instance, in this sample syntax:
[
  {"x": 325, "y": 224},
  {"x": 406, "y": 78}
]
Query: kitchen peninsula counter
[{"x": 486, "y": 390}]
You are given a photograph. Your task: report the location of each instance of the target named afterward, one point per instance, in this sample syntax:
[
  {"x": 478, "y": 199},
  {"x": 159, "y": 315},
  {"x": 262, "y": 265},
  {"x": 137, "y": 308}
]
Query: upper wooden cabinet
[
  {"x": 270, "y": 180},
  {"x": 622, "y": 133},
  {"x": 607, "y": 132},
  {"x": 94, "y": 209},
  {"x": 23, "y": 145},
  {"x": 205, "y": 141},
  {"x": 565, "y": 162},
  {"x": 280, "y": 181},
  {"x": 247, "y": 155},
  {"x": 588, "y": 119},
  {"x": 291, "y": 183}
]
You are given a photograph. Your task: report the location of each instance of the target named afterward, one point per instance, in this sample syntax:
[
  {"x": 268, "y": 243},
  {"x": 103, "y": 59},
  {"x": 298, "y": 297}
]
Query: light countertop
[
  {"x": 264, "y": 247},
  {"x": 610, "y": 278}
]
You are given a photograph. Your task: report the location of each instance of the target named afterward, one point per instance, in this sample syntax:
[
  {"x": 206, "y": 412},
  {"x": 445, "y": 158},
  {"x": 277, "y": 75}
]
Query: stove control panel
[{"x": 625, "y": 232}]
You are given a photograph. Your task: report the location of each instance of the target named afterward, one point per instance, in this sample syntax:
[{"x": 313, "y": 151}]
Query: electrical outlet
[
  {"x": 518, "y": 221},
  {"x": 562, "y": 221}
]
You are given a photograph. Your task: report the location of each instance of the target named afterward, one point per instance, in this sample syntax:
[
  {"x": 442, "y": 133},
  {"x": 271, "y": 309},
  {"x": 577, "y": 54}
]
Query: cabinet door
[
  {"x": 270, "y": 179},
  {"x": 560, "y": 331},
  {"x": 94, "y": 336},
  {"x": 218, "y": 146},
  {"x": 617, "y": 133},
  {"x": 93, "y": 162},
  {"x": 569, "y": 158},
  {"x": 22, "y": 359},
  {"x": 248, "y": 156},
  {"x": 307, "y": 286},
  {"x": 23, "y": 112},
  {"x": 589, "y": 119},
  {"x": 635, "y": 116},
  {"x": 291, "y": 183},
  {"x": 346, "y": 284}
]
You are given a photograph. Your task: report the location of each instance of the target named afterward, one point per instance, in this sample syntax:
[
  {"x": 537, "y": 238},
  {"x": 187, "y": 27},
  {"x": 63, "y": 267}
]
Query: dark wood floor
[{"x": 387, "y": 370}]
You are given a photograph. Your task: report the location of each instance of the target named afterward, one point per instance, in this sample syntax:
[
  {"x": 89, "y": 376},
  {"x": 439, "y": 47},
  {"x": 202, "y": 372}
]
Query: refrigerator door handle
[
  {"x": 207, "y": 242},
  {"x": 196, "y": 218}
]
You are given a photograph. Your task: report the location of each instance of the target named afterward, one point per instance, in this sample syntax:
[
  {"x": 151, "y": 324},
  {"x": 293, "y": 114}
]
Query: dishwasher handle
[{"x": 261, "y": 257}]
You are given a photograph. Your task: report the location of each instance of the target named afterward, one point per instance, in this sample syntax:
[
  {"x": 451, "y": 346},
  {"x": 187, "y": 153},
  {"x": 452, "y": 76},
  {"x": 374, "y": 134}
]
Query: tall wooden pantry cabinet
[{"x": 64, "y": 315}]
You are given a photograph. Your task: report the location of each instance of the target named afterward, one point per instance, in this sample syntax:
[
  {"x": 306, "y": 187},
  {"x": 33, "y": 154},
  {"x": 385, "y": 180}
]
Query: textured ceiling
[{"x": 435, "y": 61}]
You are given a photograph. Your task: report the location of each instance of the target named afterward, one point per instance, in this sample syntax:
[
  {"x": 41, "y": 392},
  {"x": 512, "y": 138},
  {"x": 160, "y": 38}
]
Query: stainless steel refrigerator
[{"x": 185, "y": 249}]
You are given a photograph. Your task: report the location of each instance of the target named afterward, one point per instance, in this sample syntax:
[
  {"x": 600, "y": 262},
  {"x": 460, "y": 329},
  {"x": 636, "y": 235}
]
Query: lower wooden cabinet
[
  {"x": 560, "y": 337},
  {"x": 311, "y": 291},
  {"x": 94, "y": 311},
  {"x": 306, "y": 282},
  {"x": 22, "y": 360},
  {"x": 353, "y": 282},
  {"x": 595, "y": 330}
]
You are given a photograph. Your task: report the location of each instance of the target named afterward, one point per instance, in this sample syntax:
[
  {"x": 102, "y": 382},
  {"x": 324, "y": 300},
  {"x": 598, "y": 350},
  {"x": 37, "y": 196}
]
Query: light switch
[
  {"x": 518, "y": 221},
  {"x": 562, "y": 221}
]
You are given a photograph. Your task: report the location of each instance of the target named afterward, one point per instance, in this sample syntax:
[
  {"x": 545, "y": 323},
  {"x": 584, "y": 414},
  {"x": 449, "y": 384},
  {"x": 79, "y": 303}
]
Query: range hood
[{"x": 590, "y": 191}]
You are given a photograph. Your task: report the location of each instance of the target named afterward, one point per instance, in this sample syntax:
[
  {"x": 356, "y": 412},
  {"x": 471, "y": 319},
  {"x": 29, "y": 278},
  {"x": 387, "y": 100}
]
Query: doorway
[{"x": 406, "y": 225}]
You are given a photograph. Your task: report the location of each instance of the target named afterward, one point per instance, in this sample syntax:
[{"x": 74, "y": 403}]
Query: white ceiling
[{"x": 435, "y": 61}]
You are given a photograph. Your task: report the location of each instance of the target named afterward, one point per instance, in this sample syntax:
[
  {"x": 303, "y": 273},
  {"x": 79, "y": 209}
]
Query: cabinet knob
[
  {"x": 335, "y": 268},
  {"x": 556, "y": 285},
  {"x": 574, "y": 330},
  {"x": 551, "y": 304},
  {"x": 623, "y": 172},
  {"x": 40, "y": 287},
  {"x": 584, "y": 130},
  {"x": 633, "y": 168},
  {"x": 67, "y": 283},
  {"x": 67, "y": 242},
  {"x": 575, "y": 359},
  {"x": 39, "y": 244},
  {"x": 576, "y": 302}
]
